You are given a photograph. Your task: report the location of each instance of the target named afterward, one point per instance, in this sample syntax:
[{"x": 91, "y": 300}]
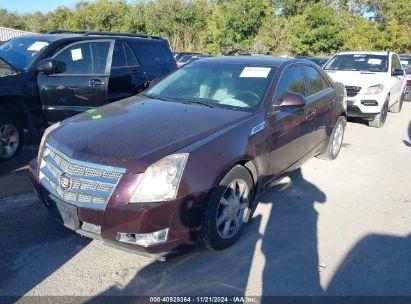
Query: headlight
[
  {"x": 43, "y": 139},
  {"x": 161, "y": 180},
  {"x": 375, "y": 89}
]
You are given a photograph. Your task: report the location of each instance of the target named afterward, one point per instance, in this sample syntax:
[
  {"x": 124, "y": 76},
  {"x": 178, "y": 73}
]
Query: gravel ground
[{"x": 331, "y": 228}]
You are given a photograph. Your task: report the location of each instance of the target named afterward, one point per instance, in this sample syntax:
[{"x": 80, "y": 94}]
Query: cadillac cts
[{"x": 185, "y": 161}]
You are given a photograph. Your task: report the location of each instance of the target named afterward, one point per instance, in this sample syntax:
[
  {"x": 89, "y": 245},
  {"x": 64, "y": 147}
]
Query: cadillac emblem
[{"x": 65, "y": 181}]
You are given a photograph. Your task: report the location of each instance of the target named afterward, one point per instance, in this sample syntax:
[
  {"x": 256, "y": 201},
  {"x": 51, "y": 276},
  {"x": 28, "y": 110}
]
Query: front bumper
[
  {"x": 181, "y": 216},
  {"x": 364, "y": 105}
]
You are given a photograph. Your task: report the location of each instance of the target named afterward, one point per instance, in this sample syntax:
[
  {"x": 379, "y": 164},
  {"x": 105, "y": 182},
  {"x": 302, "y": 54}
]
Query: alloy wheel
[
  {"x": 338, "y": 138},
  {"x": 9, "y": 140},
  {"x": 232, "y": 207}
]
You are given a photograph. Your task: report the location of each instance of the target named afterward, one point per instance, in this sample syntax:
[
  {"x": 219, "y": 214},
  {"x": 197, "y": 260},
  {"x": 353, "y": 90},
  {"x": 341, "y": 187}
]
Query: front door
[
  {"x": 83, "y": 84},
  {"x": 290, "y": 129},
  {"x": 398, "y": 81},
  {"x": 322, "y": 96}
]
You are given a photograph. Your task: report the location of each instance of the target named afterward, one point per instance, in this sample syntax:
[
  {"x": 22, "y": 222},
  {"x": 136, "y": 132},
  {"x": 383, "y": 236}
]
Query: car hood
[
  {"x": 135, "y": 132},
  {"x": 358, "y": 79}
]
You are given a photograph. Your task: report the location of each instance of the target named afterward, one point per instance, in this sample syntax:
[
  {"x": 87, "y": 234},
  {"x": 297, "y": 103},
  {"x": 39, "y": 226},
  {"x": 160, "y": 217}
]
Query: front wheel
[
  {"x": 11, "y": 137},
  {"x": 379, "y": 120},
  {"x": 336, "y": 140},
  {"x": 226, "y": 210}
]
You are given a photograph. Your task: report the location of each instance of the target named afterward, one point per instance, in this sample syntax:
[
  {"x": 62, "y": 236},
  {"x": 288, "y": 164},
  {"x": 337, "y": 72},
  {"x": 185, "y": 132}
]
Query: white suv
[{"x": 374, "y": 82}]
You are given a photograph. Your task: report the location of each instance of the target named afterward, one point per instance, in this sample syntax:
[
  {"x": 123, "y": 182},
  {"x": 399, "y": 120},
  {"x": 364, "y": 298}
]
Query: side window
[
  {"x": 292, "y": 80},
  {"x": 152, "y": 53},
  {"x": 131, "y": 58},
  {"x": 87, "y": 58},
  {"x": 314, "y": 79},
  {"x": 119, "y": 56},
  {"x": 396, "y": 64}
]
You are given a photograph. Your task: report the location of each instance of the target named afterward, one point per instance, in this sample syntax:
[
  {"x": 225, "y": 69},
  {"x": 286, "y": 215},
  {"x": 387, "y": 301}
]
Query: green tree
[{"x": 315, "y": 31}]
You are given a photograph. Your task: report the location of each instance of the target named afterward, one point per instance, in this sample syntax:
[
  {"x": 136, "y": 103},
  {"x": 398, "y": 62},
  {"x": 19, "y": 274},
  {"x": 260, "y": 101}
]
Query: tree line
[{"x": 293, "y": 27}]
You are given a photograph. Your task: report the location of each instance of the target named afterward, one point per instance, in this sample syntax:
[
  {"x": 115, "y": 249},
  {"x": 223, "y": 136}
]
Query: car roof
[
  {"x": 381, "y": 53},
  {"x": 56, "y": 37},
  {"x": 254, "y": 60}
]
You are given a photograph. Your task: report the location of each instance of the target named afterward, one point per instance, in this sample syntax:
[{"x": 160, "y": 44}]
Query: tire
[
  {"x": 379, "y": 120},
  {"x": 11, "y": 136},
  {"x": 398, "y": 106},
  {"x": 224, "y": 206},
  {"x": 336, "y": 140}
]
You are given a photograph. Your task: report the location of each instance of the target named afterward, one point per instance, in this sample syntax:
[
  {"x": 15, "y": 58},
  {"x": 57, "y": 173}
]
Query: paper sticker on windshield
[
  {"x": 37, "y": 46},
  {"x": 255, "y": 72},
  {"x": 76, "y": 54},
  {"x": 374, "y": 61}
]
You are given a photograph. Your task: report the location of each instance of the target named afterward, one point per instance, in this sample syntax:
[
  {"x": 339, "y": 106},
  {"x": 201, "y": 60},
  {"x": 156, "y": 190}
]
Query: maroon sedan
[{"x": 186, "y": 161}]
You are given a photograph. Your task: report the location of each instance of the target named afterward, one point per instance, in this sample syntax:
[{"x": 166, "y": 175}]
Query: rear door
[
  {"x": 322, "y": 97},
  {"x": 82, "y": 86},
  {"x": 290, "y": 129},
  {"x": 126, "y": 76}
]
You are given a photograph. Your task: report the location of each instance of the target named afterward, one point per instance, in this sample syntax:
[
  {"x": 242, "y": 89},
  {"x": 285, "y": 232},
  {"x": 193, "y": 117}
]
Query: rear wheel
[
  {"x": 11, "y": 136},
  {"x": 336, "y": 140},
  {"x": 225, "y": 213},
  {"x": 379, "y": 120}
]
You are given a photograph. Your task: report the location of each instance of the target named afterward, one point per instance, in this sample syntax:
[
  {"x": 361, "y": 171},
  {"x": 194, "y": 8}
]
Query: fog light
[
  {"x": 143, "y": 239},
  {"x": 369, "y": 102}
]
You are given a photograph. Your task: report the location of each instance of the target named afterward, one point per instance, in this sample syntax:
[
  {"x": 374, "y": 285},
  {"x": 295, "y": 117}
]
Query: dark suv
[
  {"x": 186, "y": 160},
  {"x": 47, "y": 78}
]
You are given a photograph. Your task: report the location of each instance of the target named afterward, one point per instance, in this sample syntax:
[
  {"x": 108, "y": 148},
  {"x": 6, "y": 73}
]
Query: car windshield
[
  {"x": 226, "y": 85},
  {"x": 406, "y": 62},
  {"x": 21, "y": 52},
  {"x": 358, "y": 62}
]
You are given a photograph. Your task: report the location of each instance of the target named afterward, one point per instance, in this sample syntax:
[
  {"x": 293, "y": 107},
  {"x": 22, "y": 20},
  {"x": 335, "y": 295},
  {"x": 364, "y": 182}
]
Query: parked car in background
[
  {"x": 183, "y": 60},
  {"x": 196, "y": 57},
  {"x": 374, "y": 82},
  {"x": 178, "y": 55},
  {"x": 407, "y": 90},
  {"x": 406, "y": 64},
  {"x": 186, "y": 161},
  {"x": 405, "y": 61},
  {"x": 317, "y": 60},
  {"x": 47, "y": 78}
]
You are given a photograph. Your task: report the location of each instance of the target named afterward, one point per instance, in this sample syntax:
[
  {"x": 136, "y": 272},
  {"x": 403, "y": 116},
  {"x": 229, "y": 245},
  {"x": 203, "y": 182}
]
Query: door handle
[
  {"x": 332, "y": 102},
  {"x": 95, "y": 83},
  {"x": 311, "y": 115}
]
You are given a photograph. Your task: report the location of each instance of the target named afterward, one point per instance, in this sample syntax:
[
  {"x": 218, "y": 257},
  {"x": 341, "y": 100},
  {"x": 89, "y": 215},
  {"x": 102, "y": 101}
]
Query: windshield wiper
[
  {"x": 156, "y": 97},
  {"x": 188, "y": 101}
]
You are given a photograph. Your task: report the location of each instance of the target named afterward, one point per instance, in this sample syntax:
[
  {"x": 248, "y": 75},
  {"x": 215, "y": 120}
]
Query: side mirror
[
  {"x": 50, "y": 66},
  {"x": 292, "y": 101},
  {"x": 398, "y": 72}
]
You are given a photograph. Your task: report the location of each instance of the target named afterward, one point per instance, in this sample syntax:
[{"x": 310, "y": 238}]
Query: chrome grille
[
  {"x": 91, "y": 185},
  {"x": 352, "y": 91}
]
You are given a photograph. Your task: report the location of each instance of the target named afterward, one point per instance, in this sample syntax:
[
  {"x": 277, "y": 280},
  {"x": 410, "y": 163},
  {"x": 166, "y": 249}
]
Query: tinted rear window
[{"x": 152, "y": 53}]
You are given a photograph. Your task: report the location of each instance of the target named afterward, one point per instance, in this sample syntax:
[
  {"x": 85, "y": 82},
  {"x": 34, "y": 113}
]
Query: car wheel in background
[
  {"x": 336, "y": 140},
  {"x": 398, "y": 106},
  {"x": 11, "y": 137},
  {"x": 379, "y": 119},
  {"x": 227, "y": 208}
]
